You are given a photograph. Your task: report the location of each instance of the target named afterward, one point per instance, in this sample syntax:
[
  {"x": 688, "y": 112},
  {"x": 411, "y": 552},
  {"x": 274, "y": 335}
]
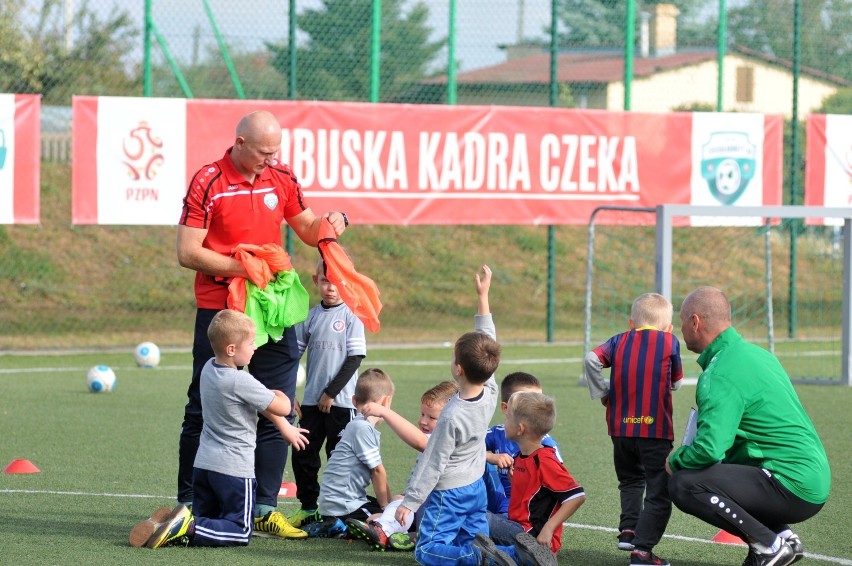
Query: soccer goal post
[{"x": 665, "y": 265}]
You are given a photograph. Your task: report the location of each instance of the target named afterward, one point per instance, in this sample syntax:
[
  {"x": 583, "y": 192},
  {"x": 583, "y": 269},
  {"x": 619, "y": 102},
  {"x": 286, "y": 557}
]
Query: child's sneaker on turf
[
  {"x": 404, "y": 542},
  {"x": 625, "y": 539},
  {"x": 327, "y": 528},
  {"x": 796, "y": 544},
  {"x": 304, "y": 517},
  {"x": 369, "y": 532},
  {"x": 489, "y": 553},
  {"x": 143, "y": 530},
  {"x": 784, "y": 556},
  {"x": 274, "y": 524},
  {"x": 647, "y": 557},
  {"x": 531, "y": 552},
  {"x": 178, "y": 528}
]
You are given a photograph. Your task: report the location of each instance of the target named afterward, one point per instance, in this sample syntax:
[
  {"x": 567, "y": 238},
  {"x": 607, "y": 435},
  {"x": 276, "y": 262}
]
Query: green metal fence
[{"x": 87, "y": 286}]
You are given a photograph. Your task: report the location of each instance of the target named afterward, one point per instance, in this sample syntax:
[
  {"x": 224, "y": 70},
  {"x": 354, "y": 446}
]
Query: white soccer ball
[
  {"x": 101, "y": 379},
  {"x": 301, "y": 375},
  {"x": 147, "y": 355}
]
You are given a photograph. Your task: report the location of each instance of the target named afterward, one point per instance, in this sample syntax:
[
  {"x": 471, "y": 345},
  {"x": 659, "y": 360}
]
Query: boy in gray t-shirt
[
  {"x": 355, "y": 463},
  {"x": 447, "y": 480},
  {"x": 223, "y": 475},
  {"x": 334, "y": 340}
]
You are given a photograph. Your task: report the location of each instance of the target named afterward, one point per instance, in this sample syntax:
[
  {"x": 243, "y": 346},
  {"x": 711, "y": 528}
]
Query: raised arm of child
[
  {"x": 409, "y": 433},
  {"x": 483, "y": 284}
]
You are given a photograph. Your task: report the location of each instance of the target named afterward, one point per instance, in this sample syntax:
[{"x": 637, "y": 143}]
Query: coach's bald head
[
  {"x": 704, "y": 314},
  {"x": 257, "y": 142}
]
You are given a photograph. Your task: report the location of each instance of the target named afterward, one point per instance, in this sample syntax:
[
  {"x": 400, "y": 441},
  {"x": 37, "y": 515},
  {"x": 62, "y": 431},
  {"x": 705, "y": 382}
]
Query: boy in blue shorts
[
  {"x": 223, "y": 478},
  {"x": 448, "y": 478}
]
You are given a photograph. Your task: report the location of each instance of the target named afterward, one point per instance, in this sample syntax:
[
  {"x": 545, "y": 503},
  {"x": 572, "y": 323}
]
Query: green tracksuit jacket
[{"x": 749, "y": 413}]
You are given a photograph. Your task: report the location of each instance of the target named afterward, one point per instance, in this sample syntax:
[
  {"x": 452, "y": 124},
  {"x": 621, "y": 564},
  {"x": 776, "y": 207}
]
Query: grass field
[{"x": 107, "y": 460}]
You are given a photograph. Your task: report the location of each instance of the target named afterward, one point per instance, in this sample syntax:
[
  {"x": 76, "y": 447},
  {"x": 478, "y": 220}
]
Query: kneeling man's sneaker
[
  {"x": 782, "y": 557},
  {"x": 798, "y": 549},
  {"x": 274, "y": 524},
  {"x": 489, "y": 553},
  {"x": 533, "y": 553},
  {"x": 647, "y": 557}
]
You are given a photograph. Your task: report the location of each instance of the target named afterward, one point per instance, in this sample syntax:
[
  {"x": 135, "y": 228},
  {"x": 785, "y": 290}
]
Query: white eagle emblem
[{"x": 271, "y": 201}]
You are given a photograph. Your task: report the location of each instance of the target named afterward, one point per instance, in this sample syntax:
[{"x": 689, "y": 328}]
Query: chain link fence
[{"x": 104, "y": 286}]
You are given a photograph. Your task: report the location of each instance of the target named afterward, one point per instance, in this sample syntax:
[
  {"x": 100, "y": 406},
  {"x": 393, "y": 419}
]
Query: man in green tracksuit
[{"x": 756, "y": 463}]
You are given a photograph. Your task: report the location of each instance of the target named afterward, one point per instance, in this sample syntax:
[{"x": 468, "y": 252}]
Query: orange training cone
[
  {"x": 288, "y": 489},
  {"x": 21, "y": 467},
  {"x": 724, "y": 537}
]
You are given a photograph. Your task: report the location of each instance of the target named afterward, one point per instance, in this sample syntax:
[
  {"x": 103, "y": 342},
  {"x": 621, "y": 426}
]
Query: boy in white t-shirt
[{"x": 383, "y": 531}]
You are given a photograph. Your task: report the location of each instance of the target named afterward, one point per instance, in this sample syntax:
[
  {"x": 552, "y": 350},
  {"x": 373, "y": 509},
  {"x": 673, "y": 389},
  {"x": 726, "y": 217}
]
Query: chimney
[
  {"x": 663, "y": 29},
  {"x": 644, "y": 34}
]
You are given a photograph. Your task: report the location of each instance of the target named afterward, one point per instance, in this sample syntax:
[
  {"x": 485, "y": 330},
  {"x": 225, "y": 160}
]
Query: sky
[{"x": 481, "y": 25}]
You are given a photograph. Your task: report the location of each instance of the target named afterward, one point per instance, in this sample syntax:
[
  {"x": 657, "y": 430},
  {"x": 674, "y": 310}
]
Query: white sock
[
  {"x": 762, "y": 549},
  {"x": 785, "y": 534}
]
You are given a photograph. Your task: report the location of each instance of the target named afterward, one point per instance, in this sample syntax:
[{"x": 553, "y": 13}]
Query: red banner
[
  {"x": 828, "y": 172},
  {"x": 423, "y": 164},
  {"x": 20, "y": 158}
]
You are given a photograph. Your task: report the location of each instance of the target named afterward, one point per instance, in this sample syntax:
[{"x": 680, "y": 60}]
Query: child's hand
[
  {"x": 294, "y": 436},
  {"x": 503, "y": 461},
  {"x": 325, "y": 403},
  {"x": 297, "y": 408},
  {"x": 401, "y": 514},
  {"x": 483, "y": 281},
  {"x": 372, "y": 409},
  {"x": 545, "y": 537}
]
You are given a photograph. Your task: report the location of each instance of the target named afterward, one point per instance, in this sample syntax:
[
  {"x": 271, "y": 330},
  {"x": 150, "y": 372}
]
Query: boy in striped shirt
[{"x": 645, "y": 368}]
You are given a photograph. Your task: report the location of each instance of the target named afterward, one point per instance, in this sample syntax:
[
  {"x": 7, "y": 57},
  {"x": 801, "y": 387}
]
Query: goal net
[{"x": 789, "y": 292}]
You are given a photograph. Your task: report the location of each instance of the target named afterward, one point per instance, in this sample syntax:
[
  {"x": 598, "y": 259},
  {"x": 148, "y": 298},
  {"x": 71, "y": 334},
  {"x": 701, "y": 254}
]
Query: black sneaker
[
  {"x": 751, "y": 558},
  {"x": 647, "y": 557},
  {"x": 784, "y": 556},
  {"x": 798, "y": 549},
  {"x": 489, "y": 553},
  {"x": 625, "y": 539}
]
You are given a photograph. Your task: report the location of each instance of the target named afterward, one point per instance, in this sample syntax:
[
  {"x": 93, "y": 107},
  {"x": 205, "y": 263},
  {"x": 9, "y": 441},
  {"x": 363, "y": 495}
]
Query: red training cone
[
  {"x": 724, "y": 537},
  {"x": 21, "y": 467},
  {"x": 288, "y": 489}
]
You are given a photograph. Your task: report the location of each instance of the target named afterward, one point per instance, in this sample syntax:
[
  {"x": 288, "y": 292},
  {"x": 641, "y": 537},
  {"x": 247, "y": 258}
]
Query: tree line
[{"x": 333, "y": 62}]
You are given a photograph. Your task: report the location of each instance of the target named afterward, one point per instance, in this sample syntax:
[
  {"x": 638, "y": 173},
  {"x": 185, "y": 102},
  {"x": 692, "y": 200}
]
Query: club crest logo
[
  {"x": 728, "y": 164},
  {"x": 271, "y": 201},
  {"x": 338, "y": 326},
  {"x": 143, "y": 153}
]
